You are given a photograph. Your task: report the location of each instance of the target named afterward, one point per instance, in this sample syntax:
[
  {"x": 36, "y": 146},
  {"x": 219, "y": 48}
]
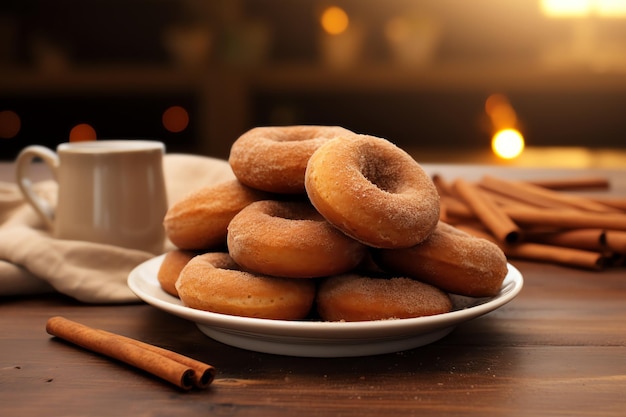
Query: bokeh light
[
  {"x": 507, "y": 143},
  {"x": 82, "y": 132},
  {"x": 583, "y": 8},
  {"x": 334, "y": 20},
  {"x": 611, "y": 8},
  {"x": 175, "y": 119},
  {"x": 565, "y": 8},
  {"x": 10, "y": 124},
  {"x": 397, "y": 29}
]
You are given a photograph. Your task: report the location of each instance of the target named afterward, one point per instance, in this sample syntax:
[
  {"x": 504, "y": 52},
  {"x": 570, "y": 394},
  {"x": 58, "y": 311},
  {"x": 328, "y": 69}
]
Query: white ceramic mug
[{"x": 109, "y": 191}]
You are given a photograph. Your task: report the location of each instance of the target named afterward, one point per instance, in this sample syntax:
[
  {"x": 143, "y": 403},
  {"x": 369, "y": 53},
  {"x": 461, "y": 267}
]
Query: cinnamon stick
[
  {"x": 203, "y": 373},
  {"x": 542, "y": 197},
  {"x": 568, "y": 219},
  {"x": 150, "y": 359},
  {"x": 556, "y": 254},
  {"x": 615, "y": 241},
  {"x": 457, "y": 207},
  {"x": 452, "y": 208},
  {"x": 444, "y": 188},
  {"x": 580, "y": 183},
  {"x": 588, "y": 239},
  {"x": 618, "y": 203},
  {"x": 542, "y": 252},
  {"x": 489, "y": 213},
  {"x": 504, "y": 200}
]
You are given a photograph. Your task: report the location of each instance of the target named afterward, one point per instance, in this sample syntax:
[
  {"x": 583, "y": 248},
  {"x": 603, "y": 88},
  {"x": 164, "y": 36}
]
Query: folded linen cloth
[{"x": 32, "y": 261}]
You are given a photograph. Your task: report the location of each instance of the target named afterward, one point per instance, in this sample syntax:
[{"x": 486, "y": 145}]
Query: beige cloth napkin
[{"x": 32, "y": 261}]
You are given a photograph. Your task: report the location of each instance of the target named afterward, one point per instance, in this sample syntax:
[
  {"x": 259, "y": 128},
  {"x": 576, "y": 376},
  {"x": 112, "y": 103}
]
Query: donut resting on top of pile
[{"x": 323, "y": 223}]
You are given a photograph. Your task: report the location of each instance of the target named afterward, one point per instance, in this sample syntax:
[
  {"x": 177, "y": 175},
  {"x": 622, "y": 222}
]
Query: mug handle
[{"x": 22, "y": 163}]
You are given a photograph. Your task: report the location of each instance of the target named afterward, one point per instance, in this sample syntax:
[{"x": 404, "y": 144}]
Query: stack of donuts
[{"x": 322, "y": 223}]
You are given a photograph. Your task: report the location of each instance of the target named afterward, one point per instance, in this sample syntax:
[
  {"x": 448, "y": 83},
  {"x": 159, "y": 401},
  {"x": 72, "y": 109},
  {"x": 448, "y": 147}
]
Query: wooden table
[{"x": 558, "y": 349}]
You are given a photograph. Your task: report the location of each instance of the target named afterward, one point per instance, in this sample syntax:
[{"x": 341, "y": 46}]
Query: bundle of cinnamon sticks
[{"x": 540, "y": 220}]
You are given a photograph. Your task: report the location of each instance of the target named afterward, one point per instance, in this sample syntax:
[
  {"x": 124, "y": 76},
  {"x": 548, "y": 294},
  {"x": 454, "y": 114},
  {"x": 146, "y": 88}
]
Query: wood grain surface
[{"x": 558, "y": 349}]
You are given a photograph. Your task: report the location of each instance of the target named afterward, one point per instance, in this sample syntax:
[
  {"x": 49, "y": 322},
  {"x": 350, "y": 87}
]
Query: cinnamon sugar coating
[
  {"x": 373, "y": 191},
  {"x": 452, "y": 260},
  {"x": 290, "y": 239},
  {"x": 274, "y": 159},
  {"x": 199, "y": 221},
  {"x": 213, "y": 282},
  {"x": 173, "y": 262},
  {"x": 354, "y": 297}
]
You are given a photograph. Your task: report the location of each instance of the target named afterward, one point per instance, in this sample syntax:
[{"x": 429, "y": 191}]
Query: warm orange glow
[
  {"x": 495, "y": 101},
  {"x": 10, "y": 124},
  {"x": 334, "y": 20},
  {"x": 507, "y": 143},
  {"x": 500, "y": 111},
  {"x": 82, "y": 132},
  {"x": 566, "y": 8},
  {"x": 175, "y": 119},
  {"x": 583, "y": 8},
  {"x": 611, "y": 8}
]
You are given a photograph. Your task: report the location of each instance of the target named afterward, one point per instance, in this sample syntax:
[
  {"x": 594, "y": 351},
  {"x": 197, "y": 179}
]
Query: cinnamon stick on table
[
  {"x": 575, "y": 183},
  {"x": 542, "y": 197},
  {"x": 453, "y": 208},
  {"x": 588, "y": 239},
  {"x": 574, "y": 257},
  {"x": 444, "y": 188},
  {"x": 556, "y": 254},
  {"x": 203, "y": 373},
  {"x": 568, "y": 219},
  {"x": 618, "y": 203},
  {"x": 488, "y": 212},
  {"x": 615, "y": 241},
  {"x": 179, "y": 370}
]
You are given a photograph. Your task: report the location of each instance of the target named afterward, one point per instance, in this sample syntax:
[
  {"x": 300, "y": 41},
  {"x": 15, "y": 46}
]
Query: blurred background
[{"x": 519, "y": 82}]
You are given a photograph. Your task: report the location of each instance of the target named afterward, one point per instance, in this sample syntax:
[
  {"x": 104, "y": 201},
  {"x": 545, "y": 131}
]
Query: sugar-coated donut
[
  {"x": 213, "y": 282},
  {"x": 373, "y": 191},
  {"x": 169, "y": 270},
  {"x": 290, "y": 239},
  {"x": 354, "y": 297},
  {"x": 452, "y": 260},
  {"x": 199, "y": 220},
  {"x": 274, "y": 158}
]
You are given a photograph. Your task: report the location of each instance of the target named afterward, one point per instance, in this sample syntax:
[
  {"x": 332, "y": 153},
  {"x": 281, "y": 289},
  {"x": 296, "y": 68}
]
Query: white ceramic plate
[{"x": 315, "y": 338}]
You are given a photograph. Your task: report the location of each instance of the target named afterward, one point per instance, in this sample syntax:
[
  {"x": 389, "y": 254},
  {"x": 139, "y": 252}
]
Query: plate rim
[{"x": 382, "y": 329}]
